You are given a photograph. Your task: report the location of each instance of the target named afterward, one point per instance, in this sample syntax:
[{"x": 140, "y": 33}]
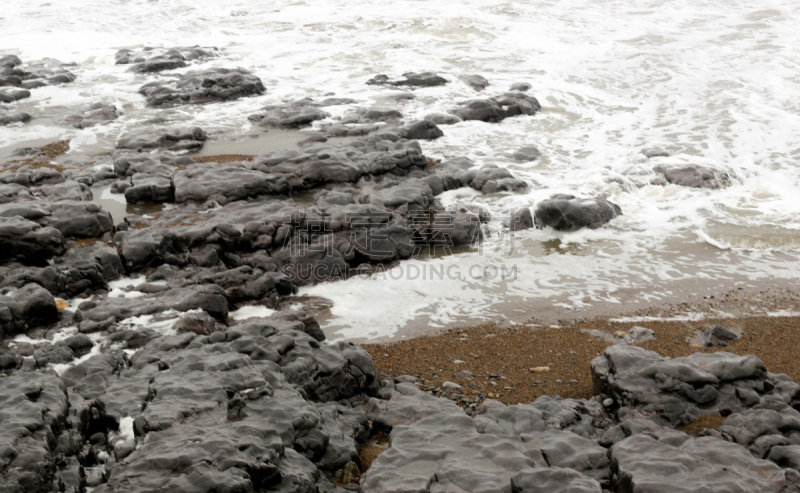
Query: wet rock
[
  {"x": 289, "y": 115},
  {"x": 28, "y": 241},
  {"x": 654, "y": 151},
  {"x": 35, "y": 74},
  {"x": 173, "y": 140},
  {"x": 718, "y": 336},
  {"x": 151, "y": 59},
  {"x": 525, "y": 154},
  {"x": 520, "y": 86},
  {"x": 226, "y": 183},
  {"x": 11, "y": 95},
  {"x": 520, "y": 219},
  {"x": 568, "y": 213},
  {"x": 442, "y": 119},
  {"x": 150, "y": 188},
  {"x": 694, "y": 176},
  {"x": 494, "y": 179},
  {"x": 423, "y": 79},
  {"x": 477, "y": 82},
  {"x": 498, "y": 108},
  {"x": 96, "y": 114},
  {"x": 7, "y": 117},
  {"x": 638, "y": 335},
  {"x": 372, "y": 115},
  {"x": 200, "y": 87}
]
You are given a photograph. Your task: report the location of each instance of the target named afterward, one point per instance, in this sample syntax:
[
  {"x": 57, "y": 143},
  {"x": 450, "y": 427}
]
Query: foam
[{"x": 246, "y": 312}]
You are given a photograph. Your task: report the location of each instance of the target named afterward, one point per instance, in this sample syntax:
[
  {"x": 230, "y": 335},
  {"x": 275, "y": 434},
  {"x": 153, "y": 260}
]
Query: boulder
[{"x": 564, "y": 212}]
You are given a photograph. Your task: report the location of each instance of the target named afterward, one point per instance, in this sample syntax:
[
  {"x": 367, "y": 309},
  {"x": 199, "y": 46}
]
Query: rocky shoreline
[{"x": 158, "y": 352}]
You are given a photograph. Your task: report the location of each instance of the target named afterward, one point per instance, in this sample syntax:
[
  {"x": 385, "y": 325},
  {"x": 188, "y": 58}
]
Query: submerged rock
[
  {"x": 154, "y": 60},
  {"x": 96, "y": 114},
  {"x": 422, "y": 79},
  {"x": 477, "y": 82},
  {"x": 569, "y": 213}
]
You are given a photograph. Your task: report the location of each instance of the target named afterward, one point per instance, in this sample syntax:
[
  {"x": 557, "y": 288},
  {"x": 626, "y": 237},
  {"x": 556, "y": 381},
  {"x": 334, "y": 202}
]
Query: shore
[{"x": 517, "y": 364}]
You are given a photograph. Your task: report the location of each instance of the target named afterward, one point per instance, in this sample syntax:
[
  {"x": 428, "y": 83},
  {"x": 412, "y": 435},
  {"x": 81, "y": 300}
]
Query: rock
[
  {"x": 96, "y": 114},
  {"x": 442, "y": 119},
  {"x": 520, "y": 219},
  {"x": 28, "y": 241},
  {"x": 568, "y": 213},
  {"x": 68, "y": 190},
  {"x": 699, "y": 464},
  {"x": 550, "y": 479},
  {"x": 74, "y": 219},
  {"x": 174, "y": 140},
  {"x": 451, "y": 386},
  {"x": 525, "y": 154},
  {"x": 498, "y": 108},
  {"x": 289, "y": 115},
  {"x": 226, "y": 183},
  {"x": 11, "y": 95},
  {"x": 200, "y": 87},
  {"x": 372, "y": 115},
  {"x": 694, "y": 176},
  {"x": 32, "y": 75},
  {"x": 150, "y": 188},
  {"x": 520, "y": 86},
  {"x": 477, "y": 82},
  {"x": 423, "y": 79},
  {"x": 26, "y": 308},
  {"x": 7, "y": 118},
  {"x": 718, "y": 336},
  {"x": 151, "y": 60},
  {"x": 654, "y": 151},
  {"x": 677, "y": 391},
  {"x": 638, "y": 335},
  {"x": 494, "y": 179}
]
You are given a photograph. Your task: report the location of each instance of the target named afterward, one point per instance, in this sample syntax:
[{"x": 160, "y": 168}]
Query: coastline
[{"x": 762, "y": 318}]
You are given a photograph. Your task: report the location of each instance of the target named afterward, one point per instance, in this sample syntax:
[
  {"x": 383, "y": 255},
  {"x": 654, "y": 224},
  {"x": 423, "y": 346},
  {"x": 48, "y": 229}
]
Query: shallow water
[{"x": 712, "y": 82}]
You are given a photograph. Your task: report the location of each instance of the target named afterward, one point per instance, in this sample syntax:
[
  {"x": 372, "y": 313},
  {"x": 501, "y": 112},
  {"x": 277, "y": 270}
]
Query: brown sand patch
[
  {"x": 703, "y": 422},
  {"x": 502, "y": 360},
  {"x": 372, "y": 449}
]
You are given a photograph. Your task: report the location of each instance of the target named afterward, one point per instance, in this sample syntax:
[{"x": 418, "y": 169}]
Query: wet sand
[{"x": 516, "y": 364}]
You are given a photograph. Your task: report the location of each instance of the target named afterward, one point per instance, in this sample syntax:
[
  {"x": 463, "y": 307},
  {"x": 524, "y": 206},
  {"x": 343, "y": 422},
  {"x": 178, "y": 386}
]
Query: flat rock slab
[{"x": 149, "y": 59}]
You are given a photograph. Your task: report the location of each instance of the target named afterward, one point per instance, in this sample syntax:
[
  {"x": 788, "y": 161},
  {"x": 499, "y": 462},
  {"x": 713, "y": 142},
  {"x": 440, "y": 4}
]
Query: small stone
[
  {"x": 458, "y": 362},
  {"x": 608, "y": 402},
  {"x": 451, "y": 385},
  {"x": 61, "y": 304},
  {"x": 540, "y": 369}
]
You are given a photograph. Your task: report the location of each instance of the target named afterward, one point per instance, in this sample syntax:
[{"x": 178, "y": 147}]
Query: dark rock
[
  {"x": 25, "y": 308},
  {"x": 550, "y": 479},
  {"x": 152, "y": 60},
  {"x": 74, "y": 219},
  {"x": 569, "y": 213},
  {"x": 423, "y": 79},
  {"x": 520, "y": 219},
  {"x": 150, "y": 188},
  {"x": 11, "y": 95},
  {"x": 494, "y": 179},
  {"x": 498, "y": 108},
  {"x": 28, "y": 241},
  {"x": 372, "y": 115},
  {"x": 173, "y": 140},
  {"x": 694, "y": 176},
  {"x": 206, "y": 86}
]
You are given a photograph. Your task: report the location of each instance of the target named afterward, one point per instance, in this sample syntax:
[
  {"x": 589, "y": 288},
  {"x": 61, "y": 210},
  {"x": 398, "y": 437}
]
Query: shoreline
[{"x": 468, "y": 356}]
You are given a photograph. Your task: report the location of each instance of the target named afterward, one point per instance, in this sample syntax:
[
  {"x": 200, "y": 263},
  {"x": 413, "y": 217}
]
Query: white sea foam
[
  {"x": 715, "y": 83},
  {"x": 246, "y": 312}
]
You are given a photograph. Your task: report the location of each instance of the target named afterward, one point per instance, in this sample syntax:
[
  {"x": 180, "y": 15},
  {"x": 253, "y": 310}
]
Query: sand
[{"x": 519, "y": 363}]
